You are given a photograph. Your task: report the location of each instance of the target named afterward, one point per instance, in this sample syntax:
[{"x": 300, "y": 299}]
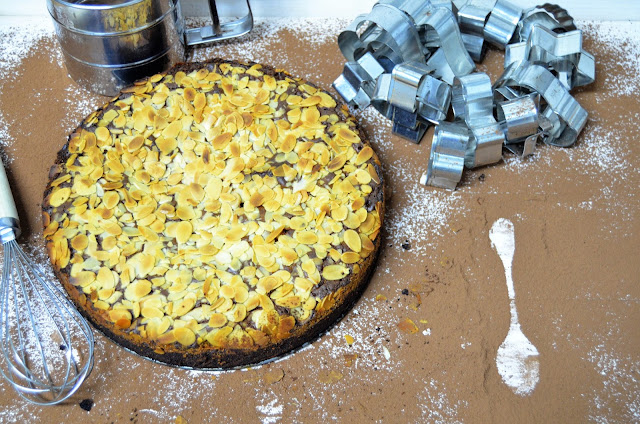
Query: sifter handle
[
  {"x": 9, "y": 222},
  {"x": 218, "y": 31}
]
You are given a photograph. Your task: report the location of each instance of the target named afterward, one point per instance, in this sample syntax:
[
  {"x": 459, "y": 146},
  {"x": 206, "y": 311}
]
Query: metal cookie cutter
[
  {"x": 562, "y": 53},
  {"x": 440, "y": 29},
  {"x": 446, "y": 160},
  {"x": 388, "y": 27},
  {"x": 502, "y": 23},
  {"x": 518, "y": 118},
  {"x": 492, "y": 21},
  {"x": 472, "y": 101},
  {"x": 472, "y": 18},
  {"x": 414, "y": 98},
  {"x": 550, "y": 16},
  {"x": 563, "y": 111},
  {"x": 357, "y": 82}
]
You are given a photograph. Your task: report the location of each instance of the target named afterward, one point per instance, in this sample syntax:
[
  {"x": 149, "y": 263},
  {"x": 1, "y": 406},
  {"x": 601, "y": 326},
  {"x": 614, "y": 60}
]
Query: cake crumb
[{"x": 86, "y": 404}]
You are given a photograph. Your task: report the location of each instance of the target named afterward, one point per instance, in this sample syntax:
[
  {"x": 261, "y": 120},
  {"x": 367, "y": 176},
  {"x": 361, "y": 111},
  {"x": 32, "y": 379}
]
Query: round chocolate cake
[{"x": 215, "y": 216}]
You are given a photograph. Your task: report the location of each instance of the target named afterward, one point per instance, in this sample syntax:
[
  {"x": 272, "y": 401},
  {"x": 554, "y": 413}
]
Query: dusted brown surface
[{"x": 575, "y": 268}]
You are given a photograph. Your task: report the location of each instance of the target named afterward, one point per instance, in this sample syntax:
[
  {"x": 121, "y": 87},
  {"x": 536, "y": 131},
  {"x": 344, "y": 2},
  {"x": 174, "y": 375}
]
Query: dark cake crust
[{"x": 335, "y": 296}]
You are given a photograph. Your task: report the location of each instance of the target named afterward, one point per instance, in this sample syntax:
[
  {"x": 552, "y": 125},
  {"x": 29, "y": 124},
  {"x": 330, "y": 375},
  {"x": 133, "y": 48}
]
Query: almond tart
[{"x": 215, "y": 216}]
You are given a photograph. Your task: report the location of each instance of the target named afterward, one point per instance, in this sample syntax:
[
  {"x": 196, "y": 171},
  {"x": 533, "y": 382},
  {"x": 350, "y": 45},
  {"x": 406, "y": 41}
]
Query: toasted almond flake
[
  {"x": 367, "y": 244},
  {"x": 273, "y": 376},
  {"x": 373, "y": 173},
  {"x": 217, "y": 320},
  {"x": 83, "y": 278},
  {"x": 184, "y": 230},
  {"x": 256, "y": 199},
  {"x": 80, "y": 242},
  {"x": 221, "y": 141},
  {"x": 310, "y": 101},
  {"x": 306, "y": 237},
  {"x": 288, "y": 143},
  {"x": 151, "y": 312},
  {"x": 189, "y": 94},
  {"x": 336, "y": 163},
  {"x": 112, "y": 228},
  {"x": 348, "y": 135},
  {"x": 103, "y": 134},
  {"x": 227, "y": 292},
  {"x": 183, "y": 306},
  {"x": 184, "y": 336},
  {"x": 137, "y": 290},
  {"x": 352, "y": 239},
  {"x": 105, "y": 278},
  {"x": 335, "y": 272},
  {"x": 340, "y": 213},
  {"x": 110, "y": 199},
  {"x": 407, "y": 326},
  {"x": 166, "y": 145},
  {"x": 350, "y": 257},
  {"x": 172, "y": 130},
  {"x": 120, "y": 317},
  {"x": 59, "y": 196}
]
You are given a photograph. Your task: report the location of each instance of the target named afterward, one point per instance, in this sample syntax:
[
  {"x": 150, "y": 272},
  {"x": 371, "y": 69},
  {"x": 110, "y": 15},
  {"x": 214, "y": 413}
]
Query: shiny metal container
[{"x": 109, "y": 44}]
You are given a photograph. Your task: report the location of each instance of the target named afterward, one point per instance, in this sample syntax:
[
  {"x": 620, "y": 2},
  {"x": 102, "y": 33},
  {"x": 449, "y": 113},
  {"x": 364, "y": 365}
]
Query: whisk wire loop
[{"x": 34, "y": 314}]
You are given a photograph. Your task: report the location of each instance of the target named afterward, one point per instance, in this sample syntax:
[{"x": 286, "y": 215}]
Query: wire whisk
[{"x": 47, "y": 346}]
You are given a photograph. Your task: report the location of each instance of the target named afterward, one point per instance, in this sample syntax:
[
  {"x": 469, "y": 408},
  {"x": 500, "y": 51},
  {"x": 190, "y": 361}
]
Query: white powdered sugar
[
  {"x": 517, "y": 358},
  {"x": 620, "y": 396},
  {"x": 436, "y": 406},
  {"x": 18, "y": 40},
  {"x": 270, "y": 411},
  {"x": 623, "y": 42}
]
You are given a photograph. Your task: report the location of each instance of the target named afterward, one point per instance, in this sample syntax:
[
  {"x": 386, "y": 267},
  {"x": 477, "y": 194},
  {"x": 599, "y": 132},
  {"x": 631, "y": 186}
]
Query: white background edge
[{"x": 625, "y": 10}]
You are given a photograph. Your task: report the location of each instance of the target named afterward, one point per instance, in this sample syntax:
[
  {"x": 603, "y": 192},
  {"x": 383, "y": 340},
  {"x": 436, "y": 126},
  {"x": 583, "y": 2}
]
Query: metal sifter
[
  {"x": 47, "y": 346},
  {"x": 109, "y": 44}
]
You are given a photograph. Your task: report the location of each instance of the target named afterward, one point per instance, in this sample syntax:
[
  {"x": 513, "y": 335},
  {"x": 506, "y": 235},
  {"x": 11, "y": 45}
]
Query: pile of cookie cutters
[{"x": 413, "y": 60}]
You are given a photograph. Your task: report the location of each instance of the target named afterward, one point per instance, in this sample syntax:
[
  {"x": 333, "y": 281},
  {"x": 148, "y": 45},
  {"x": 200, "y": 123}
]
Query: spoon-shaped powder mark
[{"x": 517, "y": 360}]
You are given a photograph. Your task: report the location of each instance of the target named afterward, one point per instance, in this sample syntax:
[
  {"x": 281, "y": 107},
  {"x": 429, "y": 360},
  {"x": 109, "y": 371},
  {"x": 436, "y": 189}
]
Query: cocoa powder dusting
[{"x": 421, "y": 344}]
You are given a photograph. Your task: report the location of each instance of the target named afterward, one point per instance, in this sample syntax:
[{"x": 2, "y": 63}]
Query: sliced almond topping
[
  {"x": 227, "y": 292},
  {"x": 306, "y": 237},
  {"x": 352, "y": 239},
  {"x": 120, "y": 317},
  {"x": 350, "y": 257},
  {"x": 336, "y": 163},
  {"x": 221, "y": 141},
  {"x": 151, "y": 312},
  {"x": 217, "y": 320},
  {"x": 59, "y": 196},
  {"x": 183, "y": 306},
  {"x": 184, "y": 230},
  {"x": 105, "y": 278},
  {"x": 184, "y": 336},
  {"x": 348, "y": 135},
  {"x": 79, "y": 242},
  {"x": 335, "y": 272},
  {"x": 340, "y": 213},
  {"x": 228, "y": 192},
  {"x": 137, "y": 290}
]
